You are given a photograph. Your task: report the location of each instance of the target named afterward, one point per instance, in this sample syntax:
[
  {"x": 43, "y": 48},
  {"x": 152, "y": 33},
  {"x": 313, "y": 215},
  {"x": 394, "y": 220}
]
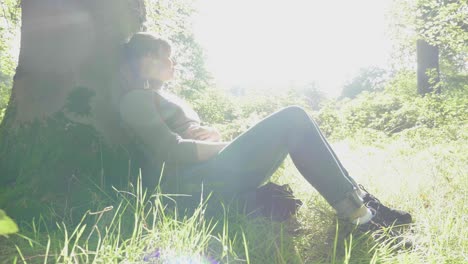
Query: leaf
[{"x": 7, "y": 225}]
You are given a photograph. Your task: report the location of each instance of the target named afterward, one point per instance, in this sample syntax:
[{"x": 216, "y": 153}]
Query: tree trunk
[
  {"x": 60, "y": 130},
  {"x": 428, "y": 67}
]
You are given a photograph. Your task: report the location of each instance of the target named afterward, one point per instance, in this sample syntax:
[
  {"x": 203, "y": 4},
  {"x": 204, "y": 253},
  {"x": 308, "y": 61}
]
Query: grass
[{"x": 424, "y": 176}]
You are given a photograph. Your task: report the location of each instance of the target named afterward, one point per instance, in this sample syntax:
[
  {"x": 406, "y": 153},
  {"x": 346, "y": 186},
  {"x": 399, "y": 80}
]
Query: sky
[{"x": 275, "y": 43}]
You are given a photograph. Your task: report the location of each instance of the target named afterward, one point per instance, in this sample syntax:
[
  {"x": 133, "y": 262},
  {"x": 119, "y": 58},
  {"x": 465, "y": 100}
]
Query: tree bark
[
  {"x": 428, "y": 67},
  {"x": 60, "y": 127}
]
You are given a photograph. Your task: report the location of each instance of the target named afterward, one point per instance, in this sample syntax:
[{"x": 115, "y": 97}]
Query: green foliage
[
  {"x": 369, "y": 79},
  {"x": 9, "y": 21},
  {"x": 172, "y": 20},
  {"x": 440, "y": 23},
  {"x": 59, "y": 169},
  {"x": 213, "y": 106},
  {"x": 443, "y": 23},
  {"x": 6, "y": 70},
  {"x": 395, "y": 109},
  {"x": 308, "y": 95},
  {"x": 7, "y": 225},
  {"x": 403, "y": 84}
]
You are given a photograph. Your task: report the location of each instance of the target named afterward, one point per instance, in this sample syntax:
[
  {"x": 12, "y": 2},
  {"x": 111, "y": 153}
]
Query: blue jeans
[{"x": 251, "y": 158}]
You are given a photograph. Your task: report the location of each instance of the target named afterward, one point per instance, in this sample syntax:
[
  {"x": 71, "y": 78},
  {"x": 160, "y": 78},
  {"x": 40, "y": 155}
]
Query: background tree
[
  {"x": 311, "y": 93},
  {"x": 368, "y": 79},
  {"x": 427, "y": 55},
  {"x": 440, "y": 31},
  {"x": 60, "y": 129},
  {"x": 172, "y": 19},
  {"x": 9, "y": 21}
]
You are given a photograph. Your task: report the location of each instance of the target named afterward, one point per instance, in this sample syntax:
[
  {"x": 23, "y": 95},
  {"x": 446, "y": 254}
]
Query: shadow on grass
[{"x": 139, "y": 228}]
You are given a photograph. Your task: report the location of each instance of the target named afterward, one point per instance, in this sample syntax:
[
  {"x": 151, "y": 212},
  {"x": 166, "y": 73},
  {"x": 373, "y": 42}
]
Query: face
[{"x": 157, "y": 68}]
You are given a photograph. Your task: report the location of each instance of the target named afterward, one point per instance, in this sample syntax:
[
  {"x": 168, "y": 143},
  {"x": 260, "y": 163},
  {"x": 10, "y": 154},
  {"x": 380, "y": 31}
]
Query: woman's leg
[{"x": 256, "y": 154}]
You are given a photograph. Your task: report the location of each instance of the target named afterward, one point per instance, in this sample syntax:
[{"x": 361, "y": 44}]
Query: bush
[
  {"x": 394, "y": 110},
  {"x": 214, "y": 107}
]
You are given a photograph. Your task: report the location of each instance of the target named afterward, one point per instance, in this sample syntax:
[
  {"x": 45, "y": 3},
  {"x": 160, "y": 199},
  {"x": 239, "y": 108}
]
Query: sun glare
[{"x": 276, "y": 43}]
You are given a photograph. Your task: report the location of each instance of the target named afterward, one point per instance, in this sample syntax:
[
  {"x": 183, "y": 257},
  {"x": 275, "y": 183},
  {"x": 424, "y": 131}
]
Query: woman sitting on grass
[{"x": 194, "y": 155}]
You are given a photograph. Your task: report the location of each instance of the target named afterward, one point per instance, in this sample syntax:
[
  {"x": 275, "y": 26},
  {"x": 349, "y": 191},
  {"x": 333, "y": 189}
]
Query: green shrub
[
  {"x": 7, "y": 225},
  {"x": 394, "y": 110},
  {"x": 215, "y": 107}
]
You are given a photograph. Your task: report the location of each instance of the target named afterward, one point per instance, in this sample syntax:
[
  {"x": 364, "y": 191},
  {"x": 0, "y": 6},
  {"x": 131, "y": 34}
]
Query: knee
[
  {"x": 295, "y": 114},
  {"x": 297, "y": 118}
]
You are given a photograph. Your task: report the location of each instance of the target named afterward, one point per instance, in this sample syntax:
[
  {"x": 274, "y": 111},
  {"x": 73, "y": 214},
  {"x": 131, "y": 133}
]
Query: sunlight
[{"x": 276, "y": 43}]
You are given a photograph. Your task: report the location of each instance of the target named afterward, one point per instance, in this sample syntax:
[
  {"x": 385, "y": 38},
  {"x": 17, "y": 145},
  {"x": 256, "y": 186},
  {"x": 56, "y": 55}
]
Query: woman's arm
[
  {"x": 141, "y": 116},
  {"x": 202, "y": 133}
]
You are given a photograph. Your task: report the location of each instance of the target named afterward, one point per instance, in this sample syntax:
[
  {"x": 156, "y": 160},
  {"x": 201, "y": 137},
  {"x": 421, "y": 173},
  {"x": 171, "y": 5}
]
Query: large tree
[
  {"x": 427, "y": 55},
  {"x": 60, "y": 129},
  {"x": 436, "y": 31}
]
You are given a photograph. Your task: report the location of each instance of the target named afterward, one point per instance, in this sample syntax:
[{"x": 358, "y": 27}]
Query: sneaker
[
  {"x": 389, "y": 216},
  {"x": 376, "y": 224},
  {"x": 382, "y": 232}
]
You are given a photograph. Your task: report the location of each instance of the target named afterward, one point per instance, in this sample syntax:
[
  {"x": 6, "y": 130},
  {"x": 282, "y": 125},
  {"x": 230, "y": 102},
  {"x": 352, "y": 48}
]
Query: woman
[{"x": 193, "y": 154}]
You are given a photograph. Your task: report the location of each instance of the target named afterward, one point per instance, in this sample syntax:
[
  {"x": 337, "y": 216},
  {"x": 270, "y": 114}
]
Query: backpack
[{"x": 276, "y": 201}]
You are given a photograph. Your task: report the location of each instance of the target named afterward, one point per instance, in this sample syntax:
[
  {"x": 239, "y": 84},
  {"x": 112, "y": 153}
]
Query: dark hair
[{"x": 142, "y": 44}]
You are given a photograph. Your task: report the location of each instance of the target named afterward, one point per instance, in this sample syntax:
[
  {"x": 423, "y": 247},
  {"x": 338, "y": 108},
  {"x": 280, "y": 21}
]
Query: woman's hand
[
  {"x": 207, "y": 150},
  {"x": 203, "y": 133}
]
